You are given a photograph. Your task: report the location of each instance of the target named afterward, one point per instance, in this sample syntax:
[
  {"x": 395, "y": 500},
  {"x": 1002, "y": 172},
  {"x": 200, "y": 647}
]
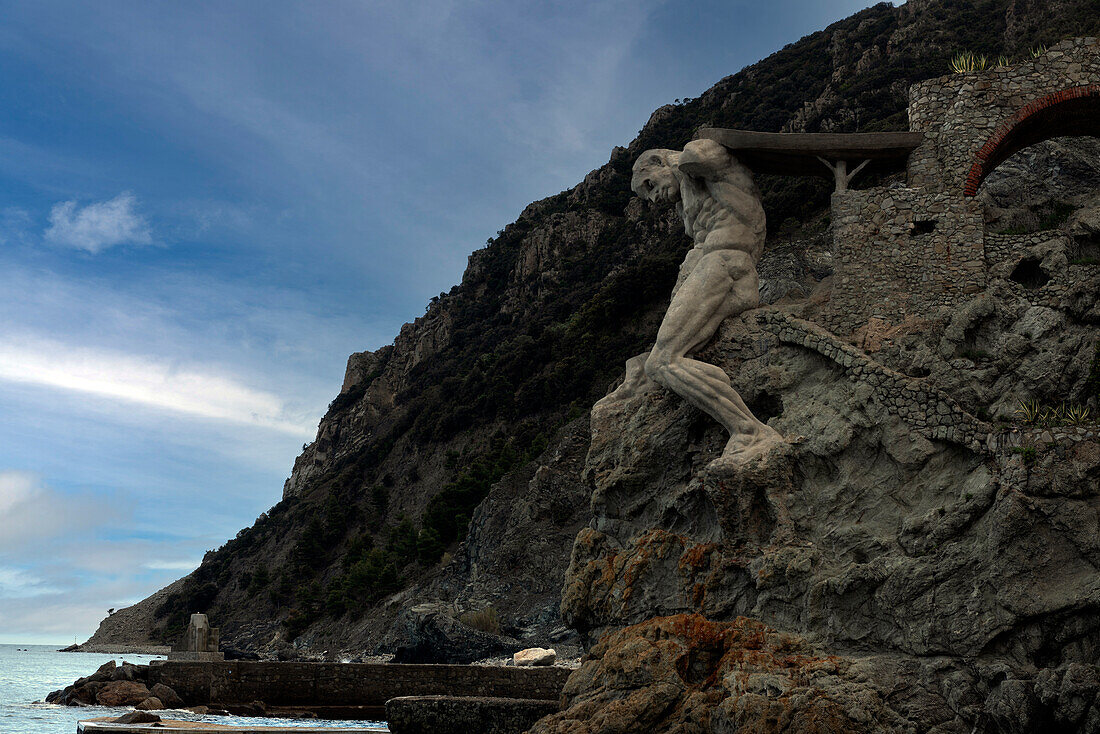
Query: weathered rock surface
[
  {"x": 922, "y": 548},
  {"x": 110, "y": 682},
  {"x": 686, "y": 674},
  {"x": 152, "y": 703},
  {"x": 137, "y": 717},
  {"x": 122, "y": 693},
  {"x": 168, "y": 697}
]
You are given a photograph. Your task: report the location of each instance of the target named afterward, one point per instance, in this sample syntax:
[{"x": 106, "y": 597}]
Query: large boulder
[
  {"x": 137, "y": 717},
  {"x": 431, "y": 636},
  {"x": 122, "y": 693},
  {"x": 535, "y": 656},
  {"x": 167, "y": 695}
]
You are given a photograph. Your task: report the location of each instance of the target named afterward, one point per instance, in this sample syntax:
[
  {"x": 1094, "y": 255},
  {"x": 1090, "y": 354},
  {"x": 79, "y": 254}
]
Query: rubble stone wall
[
  {"x": 901, "y": 252},
  {"x": 972, "y": 121}
]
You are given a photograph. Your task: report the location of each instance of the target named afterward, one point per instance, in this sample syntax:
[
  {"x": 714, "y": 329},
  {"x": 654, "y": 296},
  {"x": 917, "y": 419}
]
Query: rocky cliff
[{"x": 454, "y": 470}]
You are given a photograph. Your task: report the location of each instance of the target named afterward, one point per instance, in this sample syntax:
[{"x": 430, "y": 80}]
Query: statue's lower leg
[{"x": 708, "y": 388}]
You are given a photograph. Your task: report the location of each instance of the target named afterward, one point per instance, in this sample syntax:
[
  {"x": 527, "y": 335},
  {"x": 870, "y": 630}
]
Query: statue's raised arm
[{"x": 721, "y": 210}]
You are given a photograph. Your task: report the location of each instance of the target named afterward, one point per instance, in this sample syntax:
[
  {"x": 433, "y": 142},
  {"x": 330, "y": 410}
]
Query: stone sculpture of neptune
[{"x": 720, "y": 205}]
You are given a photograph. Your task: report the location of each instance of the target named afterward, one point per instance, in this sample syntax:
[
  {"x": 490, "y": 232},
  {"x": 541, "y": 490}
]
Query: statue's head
[{"x": 654, "y": 177}]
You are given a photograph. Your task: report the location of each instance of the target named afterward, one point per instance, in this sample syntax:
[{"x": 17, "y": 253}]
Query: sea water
[{"x": 29, "y": 672}]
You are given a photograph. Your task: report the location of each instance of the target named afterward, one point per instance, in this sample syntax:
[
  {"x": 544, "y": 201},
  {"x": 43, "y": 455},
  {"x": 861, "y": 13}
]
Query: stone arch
[{"x": 1073, "y": 111}]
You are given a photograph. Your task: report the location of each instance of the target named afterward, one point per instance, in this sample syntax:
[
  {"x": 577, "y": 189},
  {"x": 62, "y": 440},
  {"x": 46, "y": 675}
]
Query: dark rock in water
[
  {"x": 434, "y": 637},
  {"x": 453, "y": 715},
  {"x": 122, "y": 693},
  {"x": 167, "y": 695},
  {"x": 232, "y": 653},
  {"x": 83, "y": 695},
  {"x": 138, "y": 717},
  {"x": 71, "y": 648},
  {"x": 151, "y": 704}
]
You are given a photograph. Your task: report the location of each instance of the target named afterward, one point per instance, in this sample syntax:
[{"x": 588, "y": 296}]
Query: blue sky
[{"x": 206, "y": 206}]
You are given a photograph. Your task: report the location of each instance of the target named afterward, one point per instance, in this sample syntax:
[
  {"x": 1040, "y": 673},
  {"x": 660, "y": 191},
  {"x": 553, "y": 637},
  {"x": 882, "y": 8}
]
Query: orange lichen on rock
[
  {"x": 685, "y": 673},
  {"x": 697, "y": 557}
]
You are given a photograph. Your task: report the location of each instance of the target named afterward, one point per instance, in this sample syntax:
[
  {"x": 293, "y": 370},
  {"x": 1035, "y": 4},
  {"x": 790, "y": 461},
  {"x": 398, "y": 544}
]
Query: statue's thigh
[{"x": 698, "y": 307}]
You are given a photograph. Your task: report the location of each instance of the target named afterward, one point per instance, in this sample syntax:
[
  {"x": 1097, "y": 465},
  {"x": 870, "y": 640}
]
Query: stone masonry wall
[
  {"x": 1000, "y": 248},
  {"x": 349, "y": 684},
  {"x": 966, "y": 117},
  {"x": 901, "y": 252}
]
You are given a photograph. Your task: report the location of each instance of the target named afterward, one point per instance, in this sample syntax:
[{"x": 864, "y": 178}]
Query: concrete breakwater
[{"x": 293, "y": 684}]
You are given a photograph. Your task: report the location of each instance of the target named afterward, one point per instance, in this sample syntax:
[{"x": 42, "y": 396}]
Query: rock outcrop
[
  {"x": 684, "y": 673},
  {"x": 912, "y": 543}
]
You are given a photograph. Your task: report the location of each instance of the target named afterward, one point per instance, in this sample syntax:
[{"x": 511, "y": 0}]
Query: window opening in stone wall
[{"x": 923, "y": 226}]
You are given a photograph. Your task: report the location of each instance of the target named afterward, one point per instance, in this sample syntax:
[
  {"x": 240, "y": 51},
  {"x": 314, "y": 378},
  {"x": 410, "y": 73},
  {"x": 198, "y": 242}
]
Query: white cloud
[
  {"x": 31, "y": 514},
  {"x": 16, "y": 584},
  {"x": 139, "y": 379},
  {"x": 98, "y": 226}
]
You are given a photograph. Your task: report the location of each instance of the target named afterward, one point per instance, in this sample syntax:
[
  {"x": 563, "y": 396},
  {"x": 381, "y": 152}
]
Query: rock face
[
  {"x": 433, "y": 637},
  {"x": 683, "y": 673},
  {"x": 922, "y": 546}
]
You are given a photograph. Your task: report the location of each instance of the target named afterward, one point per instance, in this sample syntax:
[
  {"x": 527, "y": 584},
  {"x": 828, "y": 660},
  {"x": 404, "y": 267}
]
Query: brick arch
[{"x": 1073, "y": 111}]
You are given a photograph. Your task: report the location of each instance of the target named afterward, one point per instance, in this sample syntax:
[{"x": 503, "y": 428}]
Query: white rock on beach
[{"x": 535, "y": 656}]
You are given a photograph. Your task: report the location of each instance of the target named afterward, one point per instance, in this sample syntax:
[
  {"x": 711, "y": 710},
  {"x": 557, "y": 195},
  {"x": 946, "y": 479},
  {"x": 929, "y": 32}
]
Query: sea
[{"x": 29, "y": 672}]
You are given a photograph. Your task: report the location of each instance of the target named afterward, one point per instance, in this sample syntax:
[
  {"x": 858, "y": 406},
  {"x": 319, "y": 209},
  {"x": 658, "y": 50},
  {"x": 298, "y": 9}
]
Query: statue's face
[{"x": 653, "y": 177}]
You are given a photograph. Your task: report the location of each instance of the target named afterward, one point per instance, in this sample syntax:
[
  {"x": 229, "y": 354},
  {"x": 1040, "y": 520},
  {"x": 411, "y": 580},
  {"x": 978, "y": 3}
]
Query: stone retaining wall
[
  {"x": 348, "y": 684},
  {"x": 901, "y": 252},
  {"x": 929, "y": 411},
  {"x": 1000, "y": 248},
  {"x": 452, "y": 715}
]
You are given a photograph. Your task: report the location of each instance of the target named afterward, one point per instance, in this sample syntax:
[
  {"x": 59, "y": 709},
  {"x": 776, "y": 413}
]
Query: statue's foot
[
  {"x": 618, "y": 396},
  {"x": 743, "y": 448},
  {"x": 634, "y": 385}
]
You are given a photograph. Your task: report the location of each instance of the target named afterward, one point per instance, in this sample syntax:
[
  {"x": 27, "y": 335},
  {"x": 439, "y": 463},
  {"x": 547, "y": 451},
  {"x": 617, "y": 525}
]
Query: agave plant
[
  {"x": 963, "y": 62},
  {"x": 1038, "y": 51},
  {"x": 1003, "y": 62},
  {"x": 1077, "y": 415},
  {"x": 1029, "y": 411},
  {"x": 1053, "y": 415}
]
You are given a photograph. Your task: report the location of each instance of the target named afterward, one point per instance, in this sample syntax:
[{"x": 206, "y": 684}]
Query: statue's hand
[{"x": 703, "y": 158}]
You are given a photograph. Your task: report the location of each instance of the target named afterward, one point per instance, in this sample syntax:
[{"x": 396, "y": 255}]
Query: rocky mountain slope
[{"x": 448, "y": 476}]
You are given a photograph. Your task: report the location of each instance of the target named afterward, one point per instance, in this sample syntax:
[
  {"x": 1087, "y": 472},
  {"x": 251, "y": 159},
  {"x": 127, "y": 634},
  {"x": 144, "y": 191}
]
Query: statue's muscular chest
[{"x": 700, "y": 211}]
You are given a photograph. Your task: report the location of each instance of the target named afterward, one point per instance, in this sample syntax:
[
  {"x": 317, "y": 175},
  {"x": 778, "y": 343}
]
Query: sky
[{"x": 205, "y": 207}]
